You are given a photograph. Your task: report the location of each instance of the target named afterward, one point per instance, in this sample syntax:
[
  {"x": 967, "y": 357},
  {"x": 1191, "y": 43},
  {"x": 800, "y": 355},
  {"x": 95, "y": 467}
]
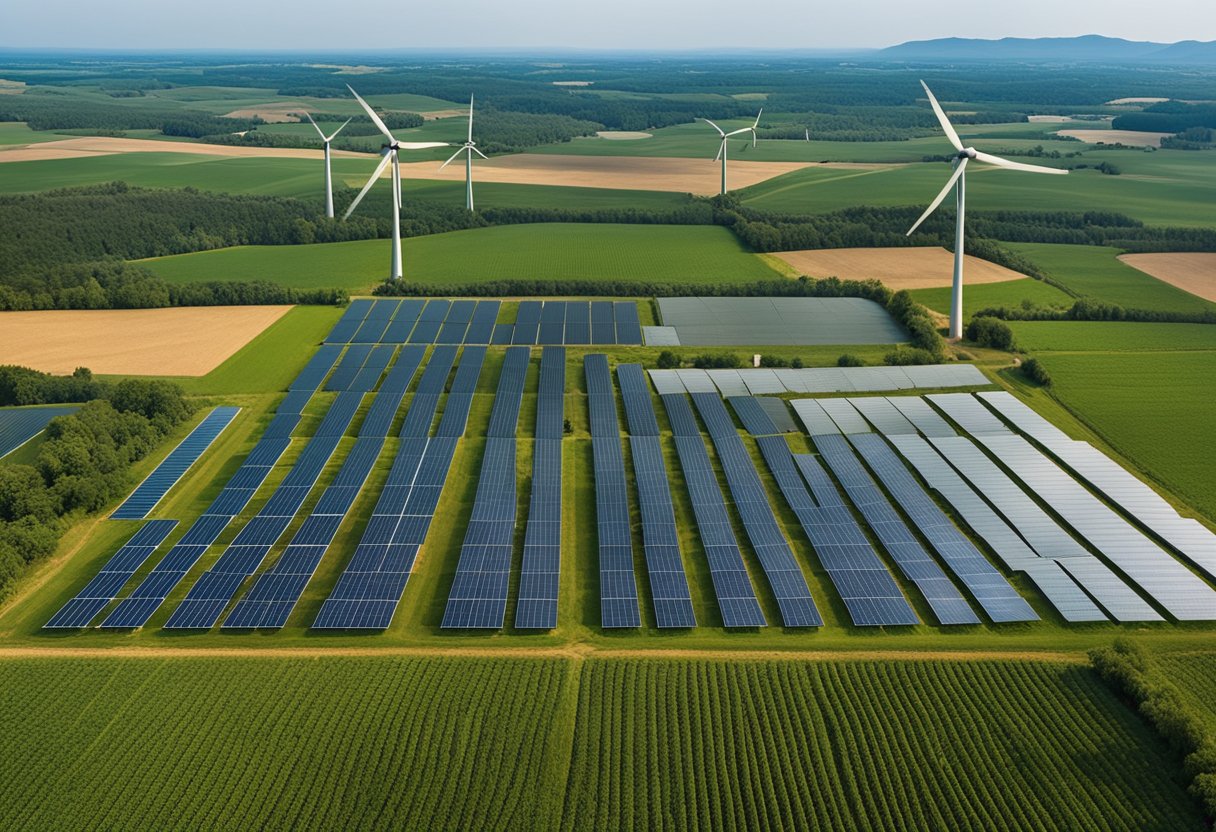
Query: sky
[{"x": 578, "y": 24}]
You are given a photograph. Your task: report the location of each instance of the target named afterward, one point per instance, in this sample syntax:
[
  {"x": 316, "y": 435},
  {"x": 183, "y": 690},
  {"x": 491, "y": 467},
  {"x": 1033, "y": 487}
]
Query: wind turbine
[
  {"x": 329, "y": 180},
  {"x": 726, "y": 136},
  {"x": 468, "y": 148},
  {"x": 388, "y": 154},
  {"x": 959, "y": 177}
]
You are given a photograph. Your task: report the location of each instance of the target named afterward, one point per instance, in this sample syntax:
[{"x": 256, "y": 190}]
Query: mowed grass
[
  {"x": 542, "y": 251},
  {"x": 1012, "y": 294},
  {"x": 1155, "y": 408},
  {"x": 1096, "y": 272},
  {"x": 324, "y": 742},
  {"x": 1111, "y": 336}
]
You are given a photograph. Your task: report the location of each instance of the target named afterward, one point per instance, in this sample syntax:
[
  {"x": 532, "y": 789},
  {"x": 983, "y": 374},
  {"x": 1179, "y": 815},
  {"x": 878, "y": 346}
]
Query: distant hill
[{"x": 1086, "y": 48}]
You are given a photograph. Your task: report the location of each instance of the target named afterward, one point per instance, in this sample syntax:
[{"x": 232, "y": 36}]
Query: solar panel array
[
  {"x": 369, "y": 590},
  {"x": 174, "y": 466},
  {"x": 206, "y": 600},
  {"x": 1188, "y": 536},
  {"x": 416, "y": 321},
  {"x": 618, "y": 587},
  {"x": 773, "y": 550},
  {"x": 558, "y": 322},
  {"x": 19, "y": 425},
  {"x": 1182, "y": 593},
  {"x": 1060, "y": 589},
  {"x": 276, "y": 591},
  {"x": 754, "y": 417},
  {"x": 146, "y": 598},
  {"x": 762, "y": 381},
  {"x": 732, "y": 586},
  {"x": 479, "y": 591},
  {"x": 870, "y": 594},
  {"x": 660, "y": 540},
  {"x": 105, "y": 586},
  {"x": 536, "y": 604}
]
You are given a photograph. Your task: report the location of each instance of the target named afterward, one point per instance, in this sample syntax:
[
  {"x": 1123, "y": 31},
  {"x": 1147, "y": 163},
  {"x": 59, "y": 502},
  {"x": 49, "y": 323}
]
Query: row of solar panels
[
  {"x": 763, "y": 381},
  {"x": 441, "y": 321}
]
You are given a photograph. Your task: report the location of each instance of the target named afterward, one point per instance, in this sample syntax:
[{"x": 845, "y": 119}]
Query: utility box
[{"x": 756, "y": 360}]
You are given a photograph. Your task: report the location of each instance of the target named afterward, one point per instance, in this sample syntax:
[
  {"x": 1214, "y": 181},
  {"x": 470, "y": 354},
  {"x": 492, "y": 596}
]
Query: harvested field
[
  {"x": 642, "y": 173},
  {"x": 1135, "y": 138},
  {"x": 899, "y": 268},
  {"x": 105, "y": 145},
  {"x": 1190, "y": 271},
  {"x": 11, "y": 87},
  {"x": 623, "y": 135},
  {"x": 184, "y": 341},
  {"x": 1048, "y": 119},
  {"x": 273, "y": 113},
  {"x": 1142, "y": 100}
]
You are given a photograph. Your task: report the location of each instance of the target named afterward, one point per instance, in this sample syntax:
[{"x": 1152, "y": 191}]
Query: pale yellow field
[
  {"x": 1135, "y": 138},
  {"x": 899, "y": 268},
  {"x": 107, "y": 145},
  {"x": 1190, "y": 271},
  {"x": 183, "y": 341},
  {"x": 645, "y": 173}
]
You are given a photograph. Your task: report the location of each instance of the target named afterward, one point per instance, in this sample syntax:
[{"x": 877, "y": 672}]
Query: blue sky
[{"x": 629, "y": 24}]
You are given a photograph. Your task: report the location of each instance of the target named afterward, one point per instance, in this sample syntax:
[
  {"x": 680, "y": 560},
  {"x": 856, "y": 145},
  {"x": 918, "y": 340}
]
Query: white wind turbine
[
  {"x": 468, "y": 148},
  {"x": 965, "y": 155},
  {"x": 389, "y": 154},
  {"x": 726, "y": 137},
  {"x": 329, "y": 180}
]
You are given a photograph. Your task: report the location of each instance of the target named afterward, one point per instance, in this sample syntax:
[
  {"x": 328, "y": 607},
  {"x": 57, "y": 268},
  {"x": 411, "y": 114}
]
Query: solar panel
[
  {"x": 206, "y": 600},
  {"x": 628, "y": 326},
  {"x": 1182, "y": 593},
  {"x": 762, "y": 381},
  {"x": 755, "y": 418},
  {"x": 269, "y": 603},
  {"x": 969, "y": 413},
  {"x": 478, "y": 598},
  {"x": 778, "y": 411},
  {"x": 578, "y": 322},
  {"x": 733, "y": 588},
  {"x": 316, "y": 369},
  {"x": 772, "y": 549},
  {"x": 603, "y": 325},
  {"x": 618, "y": 586},
  {"x": 481, "y": 328},
  {"x": 403, "y": 321},
  {"x": 19, "y": 425},
  {"x": 370, "y": 587},
  {"x": 922, "y": 415},
  {"x": 349, "y": 323},
  {"x": 503, "y": 333},
  {"x": 1109, "y": 590},
  {"x": 174, "y": 466},
  {"x": 660, "y": 540},
  {"x": 870, "y": 594},
  {"x": 1062, "y": 591},
  {"x": 527, "y": 322},
  {"x": 105, "y": 586},
  {"x": 374, "y": 325},
  {"x": 814, "y": 418},
  {"x": 352, "y": 361},
  {"x": 552, "y": 323},
  {"x": 536, "y": 604},
  {"x": 997, "y": 598},
  {"x": 882, "y": 415},
  {"x": 1134, "y": 496}
]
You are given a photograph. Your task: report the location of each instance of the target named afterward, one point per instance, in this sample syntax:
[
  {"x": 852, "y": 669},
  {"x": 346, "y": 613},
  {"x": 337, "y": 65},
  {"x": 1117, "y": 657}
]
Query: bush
[
  {"x": 990, "y": 332},
  {"x": 667, "y": 360},
  {"x": 907, "y": 356},
  {"x": 849, "y": 360},
  {"x": 1034, "y": 370},
  {"x": 721, "y": 361}
]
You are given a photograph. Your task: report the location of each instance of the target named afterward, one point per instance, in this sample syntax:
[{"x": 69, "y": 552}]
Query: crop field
[
  {"x": 1155, "y": 408},
  {"x": 1011, "y": 293},
  {"x": 1195, "y": 675},
  {"x": 1112, "y": 336},
  {"x": 1096, "y": 272},
  {"x": 899, "y": 268},
  {"x": 544, "y": 251},
  {"x": 541, "y": 743},
  {"x": 1193, "y": 272}
]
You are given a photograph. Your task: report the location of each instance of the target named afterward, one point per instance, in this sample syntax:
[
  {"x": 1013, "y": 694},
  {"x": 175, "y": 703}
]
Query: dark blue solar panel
[
  {"x": 994, "y": 594},
  {"x": 19, "y": 425},
  {"x": 618, "y": 588},
  {"x": 425, "y": 331},
  {"x": 603, "y": 326},
  {"x": 536, "y": 605},
  {"x": 349, "y": 323},
  {"x": 104, "y": 588},
  {"x": 628, "y": 327},
  {"x": 578, "y": 322},
  {"x": 527, "y": 322},
  {"x": 376, "y": 323},
  {"x": 317, "y": 368},
  {"x": 503, "y": 333},
  {"x": 369, "y": 589},
  {"x": 436, "y": 311},
  {"x": 369, "y": 374},
  {"x": 783, "y": 573},
  {"x": 175, "y": 465},
  {"x": 733, "y": 588},
  {"x": 481, "y": 329},
  {"x": 402, "y": 324},
  {"x": 754, "y": 417},
  {"x": 479, "y": 591},
  {"x": 457, "y": 322},
  {"x": 348, "y": 367}
]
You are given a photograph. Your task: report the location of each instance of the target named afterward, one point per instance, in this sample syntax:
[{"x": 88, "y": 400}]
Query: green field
[
  {"x": 1112, "y": 336},
  {"x": 1195, "y": 675},
  {"x": 327, "y": 741},
  {"x": 1010, "y": 294},
  {"x": 1156, "y": 408},
  {"x": 1095, "y": 272},
  {"x": 545, "y": 251}
]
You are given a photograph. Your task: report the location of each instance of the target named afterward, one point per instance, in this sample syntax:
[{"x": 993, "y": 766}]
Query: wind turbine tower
[
  {"x": 726, "y": 137},
  {"x": 468, "y": 148},
  {"x": 329, "y": 179}
]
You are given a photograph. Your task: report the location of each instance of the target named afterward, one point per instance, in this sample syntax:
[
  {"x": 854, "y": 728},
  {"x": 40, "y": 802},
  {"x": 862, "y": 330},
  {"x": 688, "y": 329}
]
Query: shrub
[
  {"x": 990, "y": 332},
  {"x": 720, "y": 361},
  {"x": 667, "y": 360},
  {"x": 907, "y": 356},
  {"x": 1034, "y": 370},
  {"x": 849, "y": 360}
]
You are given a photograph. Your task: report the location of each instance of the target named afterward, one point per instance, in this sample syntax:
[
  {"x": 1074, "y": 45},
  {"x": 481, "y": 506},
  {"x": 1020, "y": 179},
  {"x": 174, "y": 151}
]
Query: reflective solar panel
[
  {"x": 921, "y": 414},
  {"x": 19, "y": 425},
  {"x": 628, "y": 326},
  {"x": 402, "y": 324},
  {"x": 755, "y": 418},
  {"x": 481, "y": 328},
  {"x": 969, "y": 413},
  {"x": 174, "y": 466},
  {"x": 349, "y": 323}
]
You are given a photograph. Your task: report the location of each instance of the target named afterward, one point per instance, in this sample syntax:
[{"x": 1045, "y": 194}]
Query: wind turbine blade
[
  {"x": 315, "y": 127},
  {"x": 962, "y": 166},
  {"x": 375, "y": 175},
  {"x": 479, "y": 153},
  {"x": 947, "y": 127},
  {"x": 421, "y": 145},
  {"x": 339, "y": 130},
  {"x": 371, "y": 114},
  {"x": 740, "y": 130},
  {"x": 1005, "y": 163},
  {"x": 716, "y": 127},
  {"x": 757, "y": 124},
  {"x": 721, "y": 147},
  {"x": 452, "y": 158},
  {"x": 470, "y": 116}
]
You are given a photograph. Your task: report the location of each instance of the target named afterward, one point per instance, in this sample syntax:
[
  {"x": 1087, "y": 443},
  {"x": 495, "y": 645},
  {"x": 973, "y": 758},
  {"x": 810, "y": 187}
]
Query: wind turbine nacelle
[{"x": 967, "y": 153}]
